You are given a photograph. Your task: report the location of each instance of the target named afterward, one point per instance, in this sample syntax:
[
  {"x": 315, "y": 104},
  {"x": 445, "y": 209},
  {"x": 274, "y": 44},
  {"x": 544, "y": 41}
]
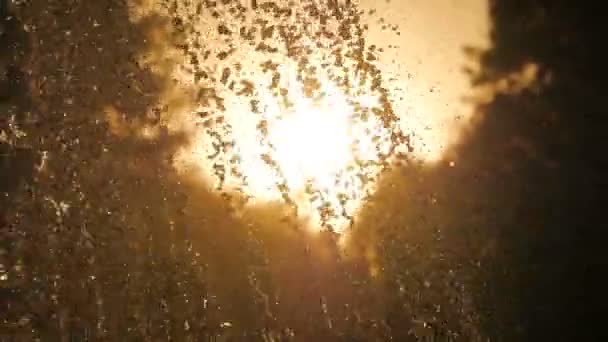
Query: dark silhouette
[
  {"x": 518, "y": 218},
  {"x": 552, "y": 242},
  {"x": 74, "y": 268}
]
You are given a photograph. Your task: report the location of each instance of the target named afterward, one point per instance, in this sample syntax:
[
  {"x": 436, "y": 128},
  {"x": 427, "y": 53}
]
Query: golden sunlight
[
  {"x": 319, "y": 155},
  {"x": 306, "y": 105},
  {"x": 312, "y": 144}
]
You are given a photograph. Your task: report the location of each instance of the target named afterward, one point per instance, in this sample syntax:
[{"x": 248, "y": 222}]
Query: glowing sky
[{"x": 284, "y": 118}]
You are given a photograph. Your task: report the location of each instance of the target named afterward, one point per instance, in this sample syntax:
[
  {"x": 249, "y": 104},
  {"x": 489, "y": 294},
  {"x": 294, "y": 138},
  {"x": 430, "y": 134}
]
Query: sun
[
  {"x": 301, "y": 119},
  {"x": 312, "y": 144},
  {"x": 317, "y": 155}
]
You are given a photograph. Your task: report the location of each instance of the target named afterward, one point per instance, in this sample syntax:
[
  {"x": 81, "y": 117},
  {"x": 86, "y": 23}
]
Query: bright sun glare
[
  {"x": 314, "y": 155},
  {"x": 293, "y": 106},
  {"x": 312, "y": 144},
  {"x": 319, "y": 155}
]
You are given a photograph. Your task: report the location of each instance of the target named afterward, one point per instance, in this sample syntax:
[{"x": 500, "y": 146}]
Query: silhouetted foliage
[
  {"x": 519, "y": 216},
  {"x": 552, "y": 242}
]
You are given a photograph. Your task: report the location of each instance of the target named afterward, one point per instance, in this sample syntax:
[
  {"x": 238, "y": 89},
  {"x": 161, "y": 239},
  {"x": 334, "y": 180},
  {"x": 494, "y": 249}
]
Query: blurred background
[{"x": 485, "y": 227}]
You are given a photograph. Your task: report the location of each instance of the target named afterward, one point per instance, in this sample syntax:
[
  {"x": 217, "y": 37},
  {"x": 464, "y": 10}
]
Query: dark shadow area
[
  {"x": 83, "y": 256},
  {"x": 553, "y": 241},
  {"x": 512, "y": 236}
]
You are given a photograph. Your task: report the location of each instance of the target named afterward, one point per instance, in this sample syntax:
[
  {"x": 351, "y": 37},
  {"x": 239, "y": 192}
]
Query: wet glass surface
[{"x": 197, "y": 170}]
